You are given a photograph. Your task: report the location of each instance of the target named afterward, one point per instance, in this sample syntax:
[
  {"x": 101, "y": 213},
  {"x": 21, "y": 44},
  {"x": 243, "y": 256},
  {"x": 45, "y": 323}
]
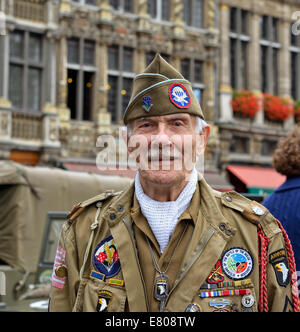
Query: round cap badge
[
  {"x": 179, "y": 96},
  {"x": 237, "y": 263}
]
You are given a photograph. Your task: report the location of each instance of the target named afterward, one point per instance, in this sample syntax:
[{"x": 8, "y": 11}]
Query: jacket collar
[{"x": 290, "y": 183}]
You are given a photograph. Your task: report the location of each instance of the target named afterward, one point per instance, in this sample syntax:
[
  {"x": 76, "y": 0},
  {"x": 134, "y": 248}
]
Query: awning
[
  {"x": 214, "y": 179},
  {"x": 257, "y": 180}
]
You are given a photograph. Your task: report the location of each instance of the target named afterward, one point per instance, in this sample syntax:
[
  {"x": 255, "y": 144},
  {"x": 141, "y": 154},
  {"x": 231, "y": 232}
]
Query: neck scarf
[{"x": 163, "y": 216}]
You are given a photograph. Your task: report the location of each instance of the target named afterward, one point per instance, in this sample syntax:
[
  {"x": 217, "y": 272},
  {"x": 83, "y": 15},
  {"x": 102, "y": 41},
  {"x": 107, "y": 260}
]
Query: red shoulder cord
[{"x": 263, "y": 262}]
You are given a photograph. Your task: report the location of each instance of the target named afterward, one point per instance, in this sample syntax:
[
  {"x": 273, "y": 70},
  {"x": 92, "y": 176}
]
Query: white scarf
[{"x": 163, "y": 216}]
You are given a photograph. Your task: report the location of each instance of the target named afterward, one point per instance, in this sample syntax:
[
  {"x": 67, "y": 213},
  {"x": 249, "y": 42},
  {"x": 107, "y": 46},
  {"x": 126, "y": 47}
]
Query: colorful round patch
[
  {"x": 179, "y": 96},
  {"x": 237, "y": 263},
  {"x": 193, "y": 307},
  {"x": 106, "y": 259}
]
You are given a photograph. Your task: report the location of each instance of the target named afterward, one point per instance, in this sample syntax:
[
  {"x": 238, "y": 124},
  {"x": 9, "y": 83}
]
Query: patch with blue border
[
  {"x": 106, "y": 259},
  {"x": 179, "y": 96}
]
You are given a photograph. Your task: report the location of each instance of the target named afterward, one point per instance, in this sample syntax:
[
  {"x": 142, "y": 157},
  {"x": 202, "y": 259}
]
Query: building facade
[
  {"x": 259, "y": 52},
  {"x": 66, "y": 68}
]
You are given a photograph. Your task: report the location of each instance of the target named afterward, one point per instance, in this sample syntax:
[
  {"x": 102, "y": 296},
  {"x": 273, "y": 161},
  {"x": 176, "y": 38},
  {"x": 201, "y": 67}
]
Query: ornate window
[
  {"x": 193, "y": 13},
  {"x": 159, "y": 9},
  {"x": 120, "y": 77},
  {"x": 269, "y": 54},
  {"x": 295, "y": 66},
  {"x": 26, "y": 70},
  {"x": 192, "y": 70},
  {"x": 81, "y": 77},
  {"x": 239, "y": 41}
]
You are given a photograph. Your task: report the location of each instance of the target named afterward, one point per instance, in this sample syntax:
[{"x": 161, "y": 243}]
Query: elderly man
[{"x": 169, "y": 242}]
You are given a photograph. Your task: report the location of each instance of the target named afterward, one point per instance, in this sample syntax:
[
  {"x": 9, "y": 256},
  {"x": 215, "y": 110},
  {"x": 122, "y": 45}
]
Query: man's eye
[
  {"x": 177, "y": 123},
  {"x": 145, "y": 125}
]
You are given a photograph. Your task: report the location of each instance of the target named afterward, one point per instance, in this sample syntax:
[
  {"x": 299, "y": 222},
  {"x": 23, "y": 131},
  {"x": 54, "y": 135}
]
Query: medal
[{"x": 161, "y": 289}]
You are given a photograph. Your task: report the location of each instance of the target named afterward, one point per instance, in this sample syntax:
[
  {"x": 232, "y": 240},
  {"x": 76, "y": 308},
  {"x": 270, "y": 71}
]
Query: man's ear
[{"x": 202, "y": 140}]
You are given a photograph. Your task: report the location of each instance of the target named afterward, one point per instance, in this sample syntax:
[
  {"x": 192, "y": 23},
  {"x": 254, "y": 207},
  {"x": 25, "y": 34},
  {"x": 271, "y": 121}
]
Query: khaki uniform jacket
[{"x": 212, "y": 259}]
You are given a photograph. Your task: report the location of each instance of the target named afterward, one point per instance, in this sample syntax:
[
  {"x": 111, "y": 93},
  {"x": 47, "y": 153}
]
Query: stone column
[
  {"x": 254, "y": 65},
  {"x": 62, "y": 73},
  {"x": 103, "y": 118},
  {"x": 225, "y": 90},
  {"x": 176, "y": 18}
]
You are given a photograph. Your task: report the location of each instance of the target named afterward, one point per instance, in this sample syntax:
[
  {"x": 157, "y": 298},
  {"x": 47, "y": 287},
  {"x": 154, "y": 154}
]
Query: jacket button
[
  {"x": 112, "y": 216},
  {"x": 228, "y": 232},
  {"x": 120, "y": 208},
  {"x": 228, "y": 199},
  {"x": 222, "y": 227}
]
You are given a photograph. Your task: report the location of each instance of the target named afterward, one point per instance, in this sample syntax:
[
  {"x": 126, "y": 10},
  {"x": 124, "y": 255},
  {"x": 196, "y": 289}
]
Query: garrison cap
[{"x": 161, "y": 90}]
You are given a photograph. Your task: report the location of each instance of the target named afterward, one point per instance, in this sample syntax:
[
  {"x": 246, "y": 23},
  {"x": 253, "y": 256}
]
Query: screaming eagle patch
[
  {"x": 280, "y": 264},
  {"x": 106, "y": 259}
]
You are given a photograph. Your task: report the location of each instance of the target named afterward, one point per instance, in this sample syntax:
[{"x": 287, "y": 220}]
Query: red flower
[
  {"x": 277, "y": 108},
  {"x": 245, "y": 103}
]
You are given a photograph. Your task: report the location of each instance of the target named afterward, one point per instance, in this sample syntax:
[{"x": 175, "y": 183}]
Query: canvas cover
[{"x": 27, "y": 194}]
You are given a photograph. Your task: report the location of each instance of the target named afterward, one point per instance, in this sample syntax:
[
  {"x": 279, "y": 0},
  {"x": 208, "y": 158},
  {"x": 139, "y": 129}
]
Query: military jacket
[{"x": 234, "y": 257}]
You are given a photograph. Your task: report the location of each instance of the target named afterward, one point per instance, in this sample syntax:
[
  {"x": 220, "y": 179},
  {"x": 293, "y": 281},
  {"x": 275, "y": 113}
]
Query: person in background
[{"x": 284, "y": 203}]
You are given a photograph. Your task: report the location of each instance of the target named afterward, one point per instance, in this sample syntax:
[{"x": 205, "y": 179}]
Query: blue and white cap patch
[
  {"x": 179, "y": 96},
  {"x": 106, "y": 259}
]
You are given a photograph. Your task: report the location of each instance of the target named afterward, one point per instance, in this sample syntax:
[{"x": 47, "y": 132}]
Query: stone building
[
  {"x": 66, "y": 68},
  {"x": 259, "y": 52}
]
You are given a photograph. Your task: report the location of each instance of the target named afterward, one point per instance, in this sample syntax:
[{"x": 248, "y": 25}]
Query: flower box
[
  {"x": 277, "y": 108},
  {"x": 245, "y": 104}
]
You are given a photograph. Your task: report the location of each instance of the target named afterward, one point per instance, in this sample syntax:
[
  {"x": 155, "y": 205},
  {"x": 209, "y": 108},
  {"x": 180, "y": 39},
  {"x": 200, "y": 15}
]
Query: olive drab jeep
[{"x": 29, "y": 229}]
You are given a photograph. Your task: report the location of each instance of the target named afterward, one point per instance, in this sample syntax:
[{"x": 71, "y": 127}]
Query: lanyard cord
[{"x": 156, "y": 266}]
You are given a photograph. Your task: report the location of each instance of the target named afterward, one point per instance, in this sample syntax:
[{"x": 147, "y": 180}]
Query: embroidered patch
[
  {"x": 106, "y": 259},
  {"x": 280, "y": 263},
  {"x": 237, "y": 263},
  {"x": 179, "y": 96},
  {"x": 216, "y": 275},
  {"x": 147, "y": 103},
  {"x": 104, "y": 298},
  {"x": 193, "y": 307},
  {"x": 58, "y": 277}
]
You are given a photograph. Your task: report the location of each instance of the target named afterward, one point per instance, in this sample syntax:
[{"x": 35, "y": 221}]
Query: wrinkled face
[{"x": 165, "y": 147}]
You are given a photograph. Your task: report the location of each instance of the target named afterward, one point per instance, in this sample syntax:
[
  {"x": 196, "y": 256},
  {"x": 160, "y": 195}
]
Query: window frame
[
  {"x": 26, "y": 65},
  {"x": 81, "y": 69},
  {"x": 191, "y": 64},
  {"x": 272, "y": 46},
  {"x": 120, "y": 74},
  {"x": 239, "y": 75},
  {"x": 295, "y": 51}
]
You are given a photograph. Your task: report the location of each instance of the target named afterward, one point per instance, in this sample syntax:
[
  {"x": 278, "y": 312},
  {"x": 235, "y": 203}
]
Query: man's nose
[{"x": 161, "y": 137}]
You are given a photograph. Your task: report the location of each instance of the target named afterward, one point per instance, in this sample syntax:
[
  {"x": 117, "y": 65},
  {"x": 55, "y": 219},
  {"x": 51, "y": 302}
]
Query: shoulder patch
[{"x": 77, "y": 209}]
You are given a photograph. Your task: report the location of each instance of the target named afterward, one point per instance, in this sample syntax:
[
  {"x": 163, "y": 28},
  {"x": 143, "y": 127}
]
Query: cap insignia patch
[
  {"x": 147, "y": 103},
  {"x": 179, "y": 96}
]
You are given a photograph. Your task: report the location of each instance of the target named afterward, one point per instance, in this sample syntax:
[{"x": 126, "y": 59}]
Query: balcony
[
  {"x": 32, "y": 10},
  {"x": 33, "y": 131}
]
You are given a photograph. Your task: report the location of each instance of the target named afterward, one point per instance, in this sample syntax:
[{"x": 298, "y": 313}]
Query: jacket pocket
[{"x": 100, "y": 296}]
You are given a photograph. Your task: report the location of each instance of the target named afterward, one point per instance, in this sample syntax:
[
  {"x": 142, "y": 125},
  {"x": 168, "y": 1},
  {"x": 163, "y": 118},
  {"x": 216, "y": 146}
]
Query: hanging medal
[{"x": 161, "y": 289}]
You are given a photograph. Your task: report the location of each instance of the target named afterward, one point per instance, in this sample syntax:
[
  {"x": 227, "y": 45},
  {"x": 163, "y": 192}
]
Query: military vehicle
[{"x": 34, "y": 203}]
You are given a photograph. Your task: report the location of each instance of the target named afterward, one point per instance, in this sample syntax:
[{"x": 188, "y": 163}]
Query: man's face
[{"x": 165, "y": 147}]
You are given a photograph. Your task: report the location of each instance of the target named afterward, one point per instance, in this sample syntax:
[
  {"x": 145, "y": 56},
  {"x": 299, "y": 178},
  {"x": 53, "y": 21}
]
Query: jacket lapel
[
  {"x": 205, "y": 249},
  {"x": 119, "y": 221}
]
